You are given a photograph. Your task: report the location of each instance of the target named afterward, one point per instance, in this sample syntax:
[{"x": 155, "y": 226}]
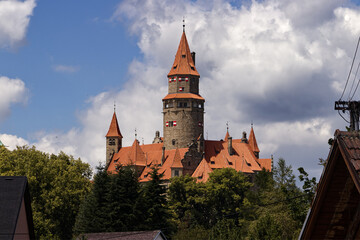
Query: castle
[{"x": 183, "y": 149}]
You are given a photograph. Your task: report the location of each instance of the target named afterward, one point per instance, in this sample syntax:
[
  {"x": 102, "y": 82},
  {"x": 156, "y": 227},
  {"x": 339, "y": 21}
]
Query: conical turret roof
[
  {"x": 183, "y": 63},
  {"x": 114, "y": 130},
  {"x": 252, "y": 141}
]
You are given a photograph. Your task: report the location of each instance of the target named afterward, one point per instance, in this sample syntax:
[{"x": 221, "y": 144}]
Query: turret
[{"x": 113, "y": 139}]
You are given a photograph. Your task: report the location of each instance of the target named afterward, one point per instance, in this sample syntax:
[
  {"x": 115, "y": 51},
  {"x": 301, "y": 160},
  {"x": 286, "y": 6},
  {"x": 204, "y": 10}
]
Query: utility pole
[{"x": 354, "y": 108}]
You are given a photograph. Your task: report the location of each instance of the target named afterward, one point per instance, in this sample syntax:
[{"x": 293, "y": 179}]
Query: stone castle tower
[
  {"x": 113, "y": 139},
  {"x": 183, "y": 107}
]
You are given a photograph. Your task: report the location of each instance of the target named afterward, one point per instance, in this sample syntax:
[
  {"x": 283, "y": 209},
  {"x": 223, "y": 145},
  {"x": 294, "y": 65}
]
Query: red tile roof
[
  {"x": 252, "y": 141},
  {"x": 183, "y": 95},
  {"x": 114, "y": 130},
  {"x": 183, "y": 63},
  {"x": 202, "y": 171},
  {"x": 216, "y": 156}
]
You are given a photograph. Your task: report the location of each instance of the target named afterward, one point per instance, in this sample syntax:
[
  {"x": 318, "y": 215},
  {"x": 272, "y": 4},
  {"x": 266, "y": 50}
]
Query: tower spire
[{"x": 183, "y": 23}]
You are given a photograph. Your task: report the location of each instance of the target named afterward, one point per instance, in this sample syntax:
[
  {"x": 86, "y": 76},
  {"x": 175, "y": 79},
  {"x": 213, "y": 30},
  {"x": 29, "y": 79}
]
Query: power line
[{"x": 352, "y": 64}]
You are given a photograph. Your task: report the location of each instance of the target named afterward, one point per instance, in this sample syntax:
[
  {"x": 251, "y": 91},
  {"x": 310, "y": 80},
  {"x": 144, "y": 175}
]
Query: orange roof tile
[
  {"x": 114, "y": 130},
  {"x": 183, "y": 63},
  {"x": 202, "y": 171},
  {"x": 227, "y": 135},
  {"x": 252, "y": 141},
  {"x": 177, "y": 160},
  {"x": 183, "y": 95},
  {"x": 265, "y": 163},
  {"x": 243, "y": 158},
  {"x": 136, "y": 155}
]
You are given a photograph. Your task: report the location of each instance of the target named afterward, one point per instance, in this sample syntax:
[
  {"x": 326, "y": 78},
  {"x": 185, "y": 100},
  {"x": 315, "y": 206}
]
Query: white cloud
[
  {"x": 14, "y": 21},
  {"x": 12, "y": 91},
  {"x": 11, "y": 141},
  {"x": 263, "y": 63},
  {"x": 66, "y": 68}
]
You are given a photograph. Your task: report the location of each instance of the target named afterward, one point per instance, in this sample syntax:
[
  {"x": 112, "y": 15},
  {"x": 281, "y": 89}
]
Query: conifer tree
[{"x": 154, "y": 197}]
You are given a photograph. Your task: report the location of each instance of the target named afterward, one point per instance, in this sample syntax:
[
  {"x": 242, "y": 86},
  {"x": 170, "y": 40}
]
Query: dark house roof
[
  {"x": 335, "y": 210},
  {"x": 139, "y": 235},
  {"x": 12, "y": 191}
]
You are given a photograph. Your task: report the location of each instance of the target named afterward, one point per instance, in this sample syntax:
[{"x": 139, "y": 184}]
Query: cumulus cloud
[
  {"x": 278, "y": 63},
  {"x": 12, "y": 141},
  {"x": 14, "y": 21},
  {"x": 12, "y": 91},
  {"x": 66, "y": 68}
]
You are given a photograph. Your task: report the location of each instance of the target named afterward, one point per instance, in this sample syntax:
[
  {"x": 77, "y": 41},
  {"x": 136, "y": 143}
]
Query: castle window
[
  {"x": 173, "y": 142},
  {"x": 200, "y": 106},
  {"x": 185, "y": 104},
  {"x": 111, "y": 141},
  {"x": 212, "y": 162},
  {"x": 176, "y": 173},
  {"x": 195, "y": 104}
]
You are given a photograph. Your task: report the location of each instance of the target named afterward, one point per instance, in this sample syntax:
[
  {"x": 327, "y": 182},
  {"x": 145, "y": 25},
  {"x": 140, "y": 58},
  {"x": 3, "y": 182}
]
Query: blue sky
[
  {"x": 83, "y": 38},
  {"x": 280, "y": 64}
]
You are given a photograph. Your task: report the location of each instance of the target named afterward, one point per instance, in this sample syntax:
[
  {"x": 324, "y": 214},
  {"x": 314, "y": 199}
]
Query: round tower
[{"x": 183, "y": 107}]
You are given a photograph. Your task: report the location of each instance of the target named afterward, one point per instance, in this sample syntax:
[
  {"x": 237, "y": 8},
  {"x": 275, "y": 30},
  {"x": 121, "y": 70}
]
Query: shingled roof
[
  {"x": 16, "y": 220},
  {"x": 335, "y": 210}
]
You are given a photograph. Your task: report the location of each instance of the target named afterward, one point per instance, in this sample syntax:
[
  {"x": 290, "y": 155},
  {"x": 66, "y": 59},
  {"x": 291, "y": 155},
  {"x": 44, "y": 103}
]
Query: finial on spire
[
  {"x": 227, "y": 126},
  {"x": 183, "y": 23},
  {"x": 114, "y": 105},
  {"x": 135, "y": 134},
  {"x": 252, "y": 123}
]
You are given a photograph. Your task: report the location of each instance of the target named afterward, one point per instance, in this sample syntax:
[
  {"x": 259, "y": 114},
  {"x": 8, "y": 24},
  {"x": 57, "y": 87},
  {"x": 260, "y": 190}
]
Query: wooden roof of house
[
  {"x": 14, "y": 196},
  {"x": 335, "y": 210}
]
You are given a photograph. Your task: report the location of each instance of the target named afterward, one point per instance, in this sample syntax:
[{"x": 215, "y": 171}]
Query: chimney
[
  {"x": 163, "y": 155},
  {"x": 244, "y": 139},
  {"x": 230, "y": 149},
  {"x": 193, "y": 57}
]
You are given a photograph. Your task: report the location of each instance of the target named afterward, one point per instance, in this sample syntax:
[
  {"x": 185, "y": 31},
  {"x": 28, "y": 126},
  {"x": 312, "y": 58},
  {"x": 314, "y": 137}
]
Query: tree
[
  {"x": 57, "y": 183},
  {"x": 156, "y": 211},
  {"x": 111, "y": 206}
]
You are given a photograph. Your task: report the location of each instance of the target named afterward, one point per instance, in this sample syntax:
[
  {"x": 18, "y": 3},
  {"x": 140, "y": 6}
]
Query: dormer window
[
  {"x": 183, "y": 56},
  {"x": 192, "y": 68}
]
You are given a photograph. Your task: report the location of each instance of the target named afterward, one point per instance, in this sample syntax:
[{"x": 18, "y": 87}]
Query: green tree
[
  {"x": 58, "y": 184},
  {"x": 92, "y": 216},
  {"x": 157, "y": 215}
]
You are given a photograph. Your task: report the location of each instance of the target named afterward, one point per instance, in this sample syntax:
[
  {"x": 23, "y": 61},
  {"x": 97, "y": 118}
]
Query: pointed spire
[
  {"x": 136, "y": 154},
  {"x": 252, "y": 141},
  {"x": 183, "y": 63},
  {"x": 177, "y": 160},
  {"x": 227, "y": 136},
  {"x": 114, "y": 130}
]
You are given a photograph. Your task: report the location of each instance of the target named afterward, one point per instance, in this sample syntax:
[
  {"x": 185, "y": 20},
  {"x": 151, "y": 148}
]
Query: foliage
[
  {"x": 57, "y": 183},
  {"x": 229, "y": 206},
  {"x": 118, "y": 203}
]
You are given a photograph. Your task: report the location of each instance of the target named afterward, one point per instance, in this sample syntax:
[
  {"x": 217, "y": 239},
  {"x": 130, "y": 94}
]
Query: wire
[
  {"x": 352, "y": 85},
  {"x": 343, "y": 117},
  {"x": 352, "y": 64},
  {"x": 357, "y": 85}
]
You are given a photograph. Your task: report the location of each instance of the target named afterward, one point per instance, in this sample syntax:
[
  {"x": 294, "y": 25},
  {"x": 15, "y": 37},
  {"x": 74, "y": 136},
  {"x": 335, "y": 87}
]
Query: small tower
[
  {"x": 183, "y": 107},
  {"x": 113, "y": 139}
]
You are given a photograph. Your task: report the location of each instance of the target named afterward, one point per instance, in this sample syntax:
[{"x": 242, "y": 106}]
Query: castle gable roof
[
  {"x": 114, "y": 130},
  {"x": 177, "y": 160},
  {"x": 183, "y": 63},
  {"x": 202, "y": 171}
]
